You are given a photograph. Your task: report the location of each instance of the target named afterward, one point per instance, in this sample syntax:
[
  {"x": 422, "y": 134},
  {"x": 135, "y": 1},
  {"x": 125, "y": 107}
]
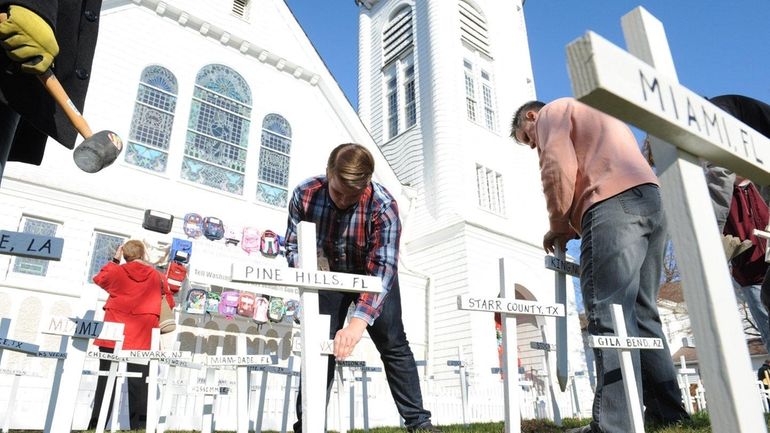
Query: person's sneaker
[
  {"x": 584, "y": 429},
  {"x": 425, "y": 428}
]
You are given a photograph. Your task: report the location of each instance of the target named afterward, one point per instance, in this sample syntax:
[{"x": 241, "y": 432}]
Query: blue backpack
[
  {"x": 181, "y": 250},
  {"x": 213, "y": 229}
]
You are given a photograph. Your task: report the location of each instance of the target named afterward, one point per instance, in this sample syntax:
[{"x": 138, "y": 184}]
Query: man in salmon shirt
[
  {"x": 134, "y": 290},
  {"x": 598, "y": 186}
]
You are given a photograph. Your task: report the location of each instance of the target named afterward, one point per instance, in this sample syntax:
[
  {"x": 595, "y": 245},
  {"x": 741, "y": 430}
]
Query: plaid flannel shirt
[{"x": 362, "y": 239}]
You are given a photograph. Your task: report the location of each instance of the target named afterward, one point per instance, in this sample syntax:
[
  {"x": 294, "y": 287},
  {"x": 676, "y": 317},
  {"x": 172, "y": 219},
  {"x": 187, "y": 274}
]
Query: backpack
[
  {"x": 246, "y": 304},
  {"x": 275, "y": 311},
  {"x": 157, "y": 221},
  {"x": 212, "y": 302},
  {"x": 260, "y": 309},
  {"x": 291, "y": 311},
  {"x": 228, "y": 303},
  {"x": 213, "y": 229},
  {"x": 181, "y": 250},
  {"x": 268, "y": 243},
  {"x": 195, "y": 301},
  {"x": 231, "y": 236},
  {"x": 748, "y": 211},
  {"x": 175, "y": 275},
  {"x": 192, "y": 225},
  {"x": 250, "y": 239}
]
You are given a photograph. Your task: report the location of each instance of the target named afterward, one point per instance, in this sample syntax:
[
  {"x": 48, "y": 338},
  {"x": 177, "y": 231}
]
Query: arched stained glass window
[
  {"x": 218, "y": 130},
  {"x": 274, "y": 155},
  {"x": 150, "y": 134}
]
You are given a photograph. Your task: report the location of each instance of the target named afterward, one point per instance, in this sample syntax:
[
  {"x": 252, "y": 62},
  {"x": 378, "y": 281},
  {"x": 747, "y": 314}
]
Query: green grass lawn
[{"x": 699, "y": 424}]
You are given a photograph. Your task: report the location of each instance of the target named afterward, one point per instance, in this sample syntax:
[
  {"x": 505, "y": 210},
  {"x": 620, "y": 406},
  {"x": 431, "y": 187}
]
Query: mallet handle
[{"x": 57, "y": 92}]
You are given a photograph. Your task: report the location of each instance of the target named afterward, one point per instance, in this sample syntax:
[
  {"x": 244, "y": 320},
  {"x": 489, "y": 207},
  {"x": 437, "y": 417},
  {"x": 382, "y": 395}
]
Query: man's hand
[
  {"x": 346, "y": 338},
  {"x": 551, "y": 239},
  {"x": 28, "y": 39}
]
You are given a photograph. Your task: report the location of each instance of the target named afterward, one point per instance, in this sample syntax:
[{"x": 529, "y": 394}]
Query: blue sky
[{"x": 718, "y": 46}]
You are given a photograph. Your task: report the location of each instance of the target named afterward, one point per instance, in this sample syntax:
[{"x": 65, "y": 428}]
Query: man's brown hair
[
  {"x": 352, "y": 163},
  {"x": 133, "y": 250},
  {"x": 518, "y": 118}
]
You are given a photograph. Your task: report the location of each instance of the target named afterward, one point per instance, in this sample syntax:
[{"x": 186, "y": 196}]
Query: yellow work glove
[{"x": 28, "y": 39}]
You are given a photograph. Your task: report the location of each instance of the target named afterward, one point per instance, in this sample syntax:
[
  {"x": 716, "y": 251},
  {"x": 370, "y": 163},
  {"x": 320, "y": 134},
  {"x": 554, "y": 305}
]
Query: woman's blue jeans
[{"x": 621, "y": 258}]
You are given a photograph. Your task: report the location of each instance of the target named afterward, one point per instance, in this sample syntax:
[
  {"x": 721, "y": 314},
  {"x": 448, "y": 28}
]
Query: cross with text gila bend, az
[
  {"x": 642, "y": 88},
  {"x": 314, "y": 327},
  {"x": 625, "y": 344},
  {"x": 509, "y": 307}
]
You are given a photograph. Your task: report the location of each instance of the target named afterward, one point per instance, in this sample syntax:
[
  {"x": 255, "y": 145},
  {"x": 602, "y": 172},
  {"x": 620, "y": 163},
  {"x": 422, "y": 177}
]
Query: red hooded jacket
[{"x": 134, "y": 290}]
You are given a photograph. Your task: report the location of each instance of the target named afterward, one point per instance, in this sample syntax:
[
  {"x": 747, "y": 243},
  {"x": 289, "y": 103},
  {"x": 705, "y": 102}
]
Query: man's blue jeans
[
  {"x": 750, "y": 295},
  {"x": 387, "y": 334},
  {"x": 621, "y": 259}
]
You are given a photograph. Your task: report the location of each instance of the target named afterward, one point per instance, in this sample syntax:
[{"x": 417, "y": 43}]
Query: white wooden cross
[
  {"x": 75, "y": 333},
  {"x": 314, "y": 327},
  {"x": 684, "y": 383},
  {"x": 290, "y": 374},
  {"x": 14, "y": 346},
  {"x": 643, "y": 89},
  {"x": 509, "y": 307},
  {"x": 463, "y": 375},
  {"x": 364, "y": 379},
  {"x": 559, "y": 264},
  {"x": 547, "y": 348},
  {"x": 625, "y": 344}
]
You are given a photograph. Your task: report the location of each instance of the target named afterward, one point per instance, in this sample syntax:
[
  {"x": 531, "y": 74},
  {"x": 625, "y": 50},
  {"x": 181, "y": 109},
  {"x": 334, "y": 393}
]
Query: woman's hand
[{"x": 119, "y": 253}]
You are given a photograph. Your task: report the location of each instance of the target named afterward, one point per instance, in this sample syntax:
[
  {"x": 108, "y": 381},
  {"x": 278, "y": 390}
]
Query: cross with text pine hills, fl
[
  {"x": 314, "y": 327},
  {"x": 642, "y": 88}
]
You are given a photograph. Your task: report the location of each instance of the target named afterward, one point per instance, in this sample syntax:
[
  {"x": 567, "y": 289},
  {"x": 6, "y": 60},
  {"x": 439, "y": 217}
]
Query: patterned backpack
[
  {"x": 275, "y": 311},
  {"x": 260, "y": 309},
  {"x": 268, "y": 244},
  {"x": 193, "y": 225},
  {"x": 212, "y": 302},
  {"x": 213, "y": 229},
  {"x": 291, "y": 311},
  {"x": 246, "y": 304},
  {"x": 250, "y": 240},
  {"x": 228, "y": 303},
  {"x": 195, "y": 301}
]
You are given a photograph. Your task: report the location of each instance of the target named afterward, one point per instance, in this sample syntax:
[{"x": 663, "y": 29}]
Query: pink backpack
[
  {"x": 269, "y": 243},
  {"x": 250, "y": 240},
  {"x": 261, "y": 307},
  {"x": 228, "y": 304}
]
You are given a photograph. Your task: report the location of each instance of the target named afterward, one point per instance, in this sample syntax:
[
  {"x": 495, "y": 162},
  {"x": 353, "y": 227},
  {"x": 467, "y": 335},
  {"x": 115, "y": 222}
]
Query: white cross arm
[
  {"x": 18, "y": 346},
  {"x": 157, "y": 354},
  {"x": 304, "y": 278},
  {"x": 539, "y": 345},
  {"x": 509, "y": 306},
  {"x": 236, "y": 360},
  {"x": 20, "y": 372},
  {"x": 613, "y": 342},
  {"x": 563, "y": 266},
  {"x": 48, "y": 354},
  {"x": 83, "y": 328},
  {"x": 603, "y": 75}
]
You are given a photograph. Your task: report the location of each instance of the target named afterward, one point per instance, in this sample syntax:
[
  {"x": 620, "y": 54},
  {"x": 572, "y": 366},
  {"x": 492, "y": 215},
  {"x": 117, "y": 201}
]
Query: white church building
[{"x": 224, "y": 106}]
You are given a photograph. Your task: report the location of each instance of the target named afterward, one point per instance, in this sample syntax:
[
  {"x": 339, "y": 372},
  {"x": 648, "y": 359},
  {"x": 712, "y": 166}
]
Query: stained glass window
[
  {"x": 24, "y": 265},
  {"x": 274, "y": 156},
  {"x": 218, "y": 130},
  {"x": 103, "y": 251},
  {"x": 150, "y": 133}
]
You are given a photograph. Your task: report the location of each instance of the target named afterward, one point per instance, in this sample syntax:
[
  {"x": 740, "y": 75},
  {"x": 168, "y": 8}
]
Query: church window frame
[
  {"x": 490, "y": 190},
  {"x": 399, "y": 74},
  {"x": 217, "y": 138},
  {"x": 274, "y": 161},
  {"x": 36, "y": 226},
  {"x": 149, "y": 138}
]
